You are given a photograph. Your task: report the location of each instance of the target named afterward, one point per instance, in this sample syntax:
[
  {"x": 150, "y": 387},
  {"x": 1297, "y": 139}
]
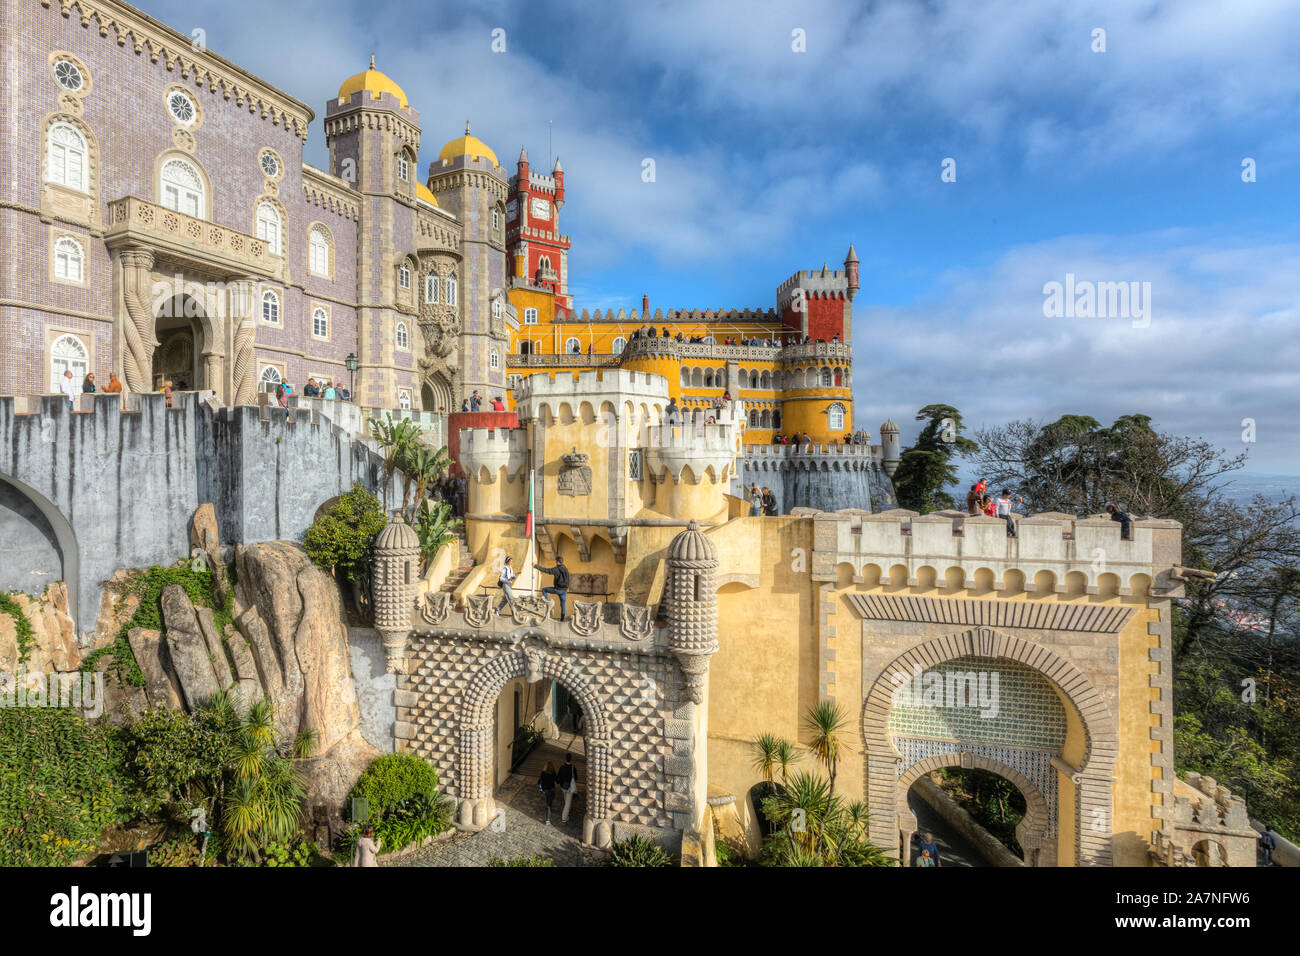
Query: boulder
[
  {"x": 191, "y": 662},
  {"x": 203, "y": 528},
  {"x": 258, "y": 639},
  {"x": 53, "y": 644},
  {"x": 242, "y": 656},
  {"x": 329, "y": 778},
  {"x": 216, "y": 649},
  {"x": 116, "y": 607},
  {"x": 151, "y": 655}
]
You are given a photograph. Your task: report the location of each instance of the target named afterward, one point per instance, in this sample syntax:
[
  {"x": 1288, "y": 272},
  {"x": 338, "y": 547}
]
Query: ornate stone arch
[
  {"x": 534, "y": 659},
  {"x": 1093, "y": 779}
]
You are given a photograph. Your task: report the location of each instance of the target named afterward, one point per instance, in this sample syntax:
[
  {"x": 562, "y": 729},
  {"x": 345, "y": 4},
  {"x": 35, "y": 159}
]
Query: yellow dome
[
  {"x": 467, "y": 145},
  {"x": 373, "y": 82},
  {"x": 422, "y": 192}
]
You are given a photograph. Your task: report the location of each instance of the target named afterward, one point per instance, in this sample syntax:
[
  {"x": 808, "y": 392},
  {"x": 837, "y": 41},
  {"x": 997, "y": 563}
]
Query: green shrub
[
  {"x": 536, "y": 859},
  {"x": 640, "y": 851},
  {"x": 171, "y": 757},
  {"x": 404, "y": 804},
  {"x": 178, "y": 851},
  {"x": 341, "y": 538},
  {"x": 58, "y": 786},
  {"x": 298, "y": 853}
]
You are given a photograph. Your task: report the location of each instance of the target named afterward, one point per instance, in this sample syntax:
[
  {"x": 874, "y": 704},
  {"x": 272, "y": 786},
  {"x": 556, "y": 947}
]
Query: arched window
[
  {"x": 182, "y": 188},
  {"x": 318, "y": 252},
  {"x": 403, "y": 167},
  {"x": 494, "y": 358},
  {"x": 776, "y": 418},
  {"x": 320, "y": 323},
  {"x": 404, "y": 402},
  {"x": 686, "y": 378},
  {"x": 268, "y": 227},
  {"x": 530, "y": 316},
  {"x": 835, "y": 418},
  {"x": 497, "y": 308},
  {"x": 69, "y": 260},
  {"x": 451, "y": 289},
  {"x": 403, "y": 337},
  {"x": 68, "y": 353},
  {"x": 496, "y": 218},
  {"x": 744, "y": 378},
  {"x": 270, "y": 376},
  {"x": 826, "y": 377},
  {"x": 431, "y": 287},
  {"x": 618, "y": 345},
  {"x": 697, "y": 378},
  {"x": 404, "y": 276},
  {"x": 765, "y": 419},
  {"x": 544, "y": 263},
  {"x": 839, "y": 377},
  {"x": 708, "y": 378},
  {"x": 572, "y": 346},
  {"x": 525, "y": 347},
  {"x": 67, "y": 162},
  {"x": 810, "y": 378},
  {"x": 271, "y": 307},
  {"x": 753, "y": 418},
  {"x": 766, "y": 379}
]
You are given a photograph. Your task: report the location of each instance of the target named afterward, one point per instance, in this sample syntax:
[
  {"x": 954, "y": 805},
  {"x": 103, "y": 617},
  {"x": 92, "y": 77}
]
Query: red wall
[
  {"x": 825, "y": 318},
  {"x": 458, "y": 420}
]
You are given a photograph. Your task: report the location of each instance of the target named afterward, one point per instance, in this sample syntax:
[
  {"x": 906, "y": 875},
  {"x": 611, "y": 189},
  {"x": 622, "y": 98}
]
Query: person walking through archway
[
  {"x": 567, "y": 778},
  {"x": 546, "y": 784}
]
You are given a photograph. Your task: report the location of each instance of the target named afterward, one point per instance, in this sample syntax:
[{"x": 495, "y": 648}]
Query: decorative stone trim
[{"x": 1092, "y": 619}]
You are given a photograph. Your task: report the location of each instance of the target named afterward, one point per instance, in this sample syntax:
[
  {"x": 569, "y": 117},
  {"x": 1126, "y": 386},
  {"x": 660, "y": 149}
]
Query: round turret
[
  {"x": 396, "y": 573},
  {"x": 692, "y": 605},
  {"x": 889, "y": 452}
]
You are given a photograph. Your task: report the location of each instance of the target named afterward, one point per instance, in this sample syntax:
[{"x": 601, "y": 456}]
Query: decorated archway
[
  {"x": 533, "y": 660},
  {"x": 886, "y": 768}
]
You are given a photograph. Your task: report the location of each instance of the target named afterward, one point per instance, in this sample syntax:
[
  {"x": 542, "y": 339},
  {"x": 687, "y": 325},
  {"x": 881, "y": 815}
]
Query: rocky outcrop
[
  {"x": 155, "y": 663},
  {"x": 53, "y": 644},
  {"x": 187, "y": 648},
  {"x": 203, "y": 528}
]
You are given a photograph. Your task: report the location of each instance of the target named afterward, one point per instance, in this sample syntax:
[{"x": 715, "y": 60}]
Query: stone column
[
  {"x": 137, "y": 326},
  {"x": 243, "y": 311}
]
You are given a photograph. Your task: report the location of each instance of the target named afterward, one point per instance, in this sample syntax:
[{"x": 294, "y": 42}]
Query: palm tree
[
  {"x": 395, "y": 440},
  {"x": 764, "y": 749},
  {"x": 786, "y": 754},
  {"x": 425, "y": 465},
  {"x": 826, "y": 721}
]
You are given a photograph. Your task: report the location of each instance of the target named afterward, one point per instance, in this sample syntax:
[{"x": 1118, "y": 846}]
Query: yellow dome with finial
[
  {"x": 422, "y": 192},
  {"x": 467, "y": 145},
  {"x": 374, "y": 83}
]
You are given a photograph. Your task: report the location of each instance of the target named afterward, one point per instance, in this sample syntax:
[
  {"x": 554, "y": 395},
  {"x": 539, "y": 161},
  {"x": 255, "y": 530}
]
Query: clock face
[{"x": 541, "y": 209}]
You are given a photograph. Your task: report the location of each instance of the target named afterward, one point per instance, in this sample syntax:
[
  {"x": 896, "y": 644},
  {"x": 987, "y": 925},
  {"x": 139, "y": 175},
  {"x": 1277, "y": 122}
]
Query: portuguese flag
[{"x": 528, "y": 521}]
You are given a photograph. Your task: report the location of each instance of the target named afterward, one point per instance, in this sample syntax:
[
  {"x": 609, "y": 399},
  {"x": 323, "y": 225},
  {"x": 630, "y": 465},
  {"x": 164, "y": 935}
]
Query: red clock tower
[{"x": 535, "y": 249}]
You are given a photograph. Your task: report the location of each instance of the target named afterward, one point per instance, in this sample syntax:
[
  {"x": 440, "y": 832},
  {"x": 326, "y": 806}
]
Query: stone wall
[{"x": 825, "y": 477}]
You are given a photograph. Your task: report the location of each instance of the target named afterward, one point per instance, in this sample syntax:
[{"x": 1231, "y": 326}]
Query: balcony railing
[{"x": 135, "y": 220}]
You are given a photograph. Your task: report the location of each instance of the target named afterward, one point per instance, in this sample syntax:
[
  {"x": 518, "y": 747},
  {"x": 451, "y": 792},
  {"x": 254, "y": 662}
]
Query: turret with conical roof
[
  {"x": 851, "y": 272},
  {"x": 396, "y": 573},
  {"x": 690, "y": 594},
  {"x": 890, "y": 455}
]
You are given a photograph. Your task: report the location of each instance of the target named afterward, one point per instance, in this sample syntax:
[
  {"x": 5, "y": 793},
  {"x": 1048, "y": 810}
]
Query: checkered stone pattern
[{"x": 638, "y": 776}]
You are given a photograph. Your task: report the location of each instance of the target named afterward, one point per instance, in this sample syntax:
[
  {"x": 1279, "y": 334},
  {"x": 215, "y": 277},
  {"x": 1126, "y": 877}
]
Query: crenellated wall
[{"x": 820, "y": 477}]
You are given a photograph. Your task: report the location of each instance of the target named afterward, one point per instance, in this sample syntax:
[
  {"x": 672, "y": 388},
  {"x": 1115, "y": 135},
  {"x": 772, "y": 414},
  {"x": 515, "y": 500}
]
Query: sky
[{"x": 1163, "y": 152}]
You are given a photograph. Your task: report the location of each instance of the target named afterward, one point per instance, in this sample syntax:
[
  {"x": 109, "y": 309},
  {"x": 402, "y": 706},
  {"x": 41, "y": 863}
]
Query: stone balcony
[
  {"x": 198, "y": 243},
  {"x": 573, "y": 360},
  {"x": 749, "y": 353}
]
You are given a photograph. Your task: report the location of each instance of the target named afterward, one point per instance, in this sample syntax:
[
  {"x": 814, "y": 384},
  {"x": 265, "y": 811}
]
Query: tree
[
  {"x": 341, "y": 539},
  {"x": 395, "y": 440},
  {"x": 825, "y": 721},
  {"x": 425, "y": 466},
  {"x": 434, "y": 526},
  {"x": 926, "y": 468}
]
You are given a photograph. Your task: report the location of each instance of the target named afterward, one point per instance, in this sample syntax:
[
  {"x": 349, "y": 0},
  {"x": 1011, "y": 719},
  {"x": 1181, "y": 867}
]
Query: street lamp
[{"x": 351, "y": 363}]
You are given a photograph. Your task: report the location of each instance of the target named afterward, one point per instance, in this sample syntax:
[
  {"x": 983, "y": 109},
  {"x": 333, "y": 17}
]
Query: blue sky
[{"x": 1123, "y": 165}]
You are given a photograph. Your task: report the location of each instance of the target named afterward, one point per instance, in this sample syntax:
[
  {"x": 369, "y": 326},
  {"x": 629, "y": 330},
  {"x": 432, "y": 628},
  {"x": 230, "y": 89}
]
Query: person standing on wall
[
  {"x": 769, "y": 502},
  {"x": 561, "y": 586},
  {"x": 567, "y": 778},
  {"x": 68, "y": 386},
  {"x": 1125, "y": 521}
]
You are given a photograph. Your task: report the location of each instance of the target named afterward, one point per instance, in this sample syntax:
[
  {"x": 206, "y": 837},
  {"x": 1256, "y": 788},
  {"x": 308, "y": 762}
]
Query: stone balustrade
[{"x": 135, "y": 221}]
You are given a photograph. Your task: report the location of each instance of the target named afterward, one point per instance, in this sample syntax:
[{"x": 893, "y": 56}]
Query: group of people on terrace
[
  {"x": 475, "y": 403},
  {"x": 650, "y": 332},
  {"x": 979, "y": 501},
  {"x": 761, "y": 501},
  {"x": 69, "y": 388}
]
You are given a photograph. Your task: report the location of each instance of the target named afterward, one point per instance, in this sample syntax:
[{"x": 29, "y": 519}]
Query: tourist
[
  {"x": 475, "y": 402},
  {"x": 665, "y": 331},
  {"x": 1004, "y": 509},
  {"x": 931, "y": 849},
  {"x": 652, "y": 333},
  {"x": 924, "y": 859},
  {"x": 88, "y": 383},
  {"x": 769, "y": 502},
  {"x": 366, "y": 849},
  {"x": 577, "y": 348},
  {"x": 462, "y": 494},
  {"x": 755, "y": 500},
  {"x": 167, "y": 391},
  {"x": 672, "y": 414},
  {"x": 345, "y": 395},
  {"x": 311, "y": 389},
  {"x": 330, "y": 393},
  {"x": 547, "y": 785},
  {"x": 498, "y": 405},
  {"x": 464, "y": 405},
  {"x": 114, "y": 385},
  {"x": 561, "y": 586},
  {"x": 282, "y": 398},
  {"x": 68, "y": 386},
  {"x": 1125, "y": 522},
  {"x": 575, "y": 714},
  {"x": 980, "y": 487},
  {"x": 972, "y": 501},
  {"x": 1268, "y": 843},
  {"x": 567, "y": 778},
  {"x": 504, "y": 580},
  {"x": 990, "y": 506}
]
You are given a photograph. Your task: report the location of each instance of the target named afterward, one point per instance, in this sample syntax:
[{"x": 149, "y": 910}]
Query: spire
[
  {"x": 466, "y": 127},
  {"x": 372, "y": 61},
  {"x": 852, "y": 256},
  {"x": 558, "y": 167},
  {"x": 523, "y": 155}
]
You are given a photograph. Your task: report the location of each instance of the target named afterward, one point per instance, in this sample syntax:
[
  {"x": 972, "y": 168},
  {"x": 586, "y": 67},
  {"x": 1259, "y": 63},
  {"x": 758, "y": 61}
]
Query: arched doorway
[
  {"x": 39, "y": 547},
  {"x": 1038, "y": 718},
  {"x": 178, "y": 356},
  {"x": 478, "y": 735},
  {"x": 435, "y": 394}
]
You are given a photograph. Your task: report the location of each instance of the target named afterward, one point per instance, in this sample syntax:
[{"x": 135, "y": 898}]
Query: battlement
[
  {"x": 829, "y": 457},
  {"x": 616, "y": 387},
  {"x": 699, "y": 316},
  {"x": 484, "y": 452},
  {"x": 705, "y": 449},
  {"x": 815, "y": 284},
  {"x": 1051, "y": 553}
]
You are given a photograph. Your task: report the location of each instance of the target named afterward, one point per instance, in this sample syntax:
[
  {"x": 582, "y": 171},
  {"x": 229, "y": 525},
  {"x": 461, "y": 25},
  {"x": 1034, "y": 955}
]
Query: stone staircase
[{"x": 466, "y": 564}]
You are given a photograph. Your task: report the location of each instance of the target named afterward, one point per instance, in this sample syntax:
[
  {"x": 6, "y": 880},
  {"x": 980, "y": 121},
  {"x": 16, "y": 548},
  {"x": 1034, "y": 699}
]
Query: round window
[
  {"x": 68, "y": 75},
  {"x": 270, "y": 165},
  {"x": 181, "y": 107}
]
